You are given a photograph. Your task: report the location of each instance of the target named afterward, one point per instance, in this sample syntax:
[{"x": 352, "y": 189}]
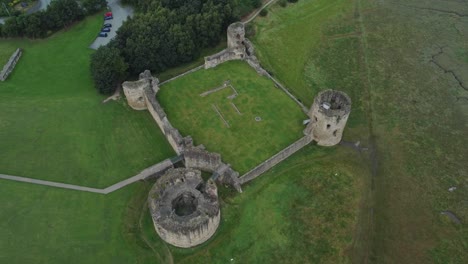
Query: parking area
[{"x": 120, "y": 14}]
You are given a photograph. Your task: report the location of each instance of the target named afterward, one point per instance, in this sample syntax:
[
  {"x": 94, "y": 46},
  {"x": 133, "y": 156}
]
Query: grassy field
[
  {"x": 5, "y": 53},
  {"x": 396, "y": 59},
  {"x": 286, "y": 38},
  {"x": 246, "y": 142},
  {"x": 53, "y": 125},
  {"x": 47, "y": 225}
]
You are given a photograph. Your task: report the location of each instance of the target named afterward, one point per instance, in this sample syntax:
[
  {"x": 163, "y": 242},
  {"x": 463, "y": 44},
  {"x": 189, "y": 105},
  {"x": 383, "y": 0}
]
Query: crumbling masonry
[
  {"x": 184, "y": 209},
  {"x": 328, "y": 116}
]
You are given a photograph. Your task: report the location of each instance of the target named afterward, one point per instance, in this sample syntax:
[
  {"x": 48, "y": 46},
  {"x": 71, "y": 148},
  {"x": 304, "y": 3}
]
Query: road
[
  {"x": 120, "y": 14},
  {"x": 40, "y": 5}
]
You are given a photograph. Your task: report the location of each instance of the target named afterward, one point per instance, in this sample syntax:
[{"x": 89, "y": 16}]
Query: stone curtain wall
[
  {"x": 201, "y": 159},
  {"x": 157, "y": 112},
  {"x": 10, "y": 65},
  {"x": 271, "y": 162}
]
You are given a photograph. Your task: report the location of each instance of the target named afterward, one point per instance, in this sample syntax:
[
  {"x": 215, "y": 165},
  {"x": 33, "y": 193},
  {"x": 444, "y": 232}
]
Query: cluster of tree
[
  {"x": 59, "y": 14},
  {"x": 171, "y": 32},
  {"x": 167, "y": 33},
  {"x": 108, "y": 69}
]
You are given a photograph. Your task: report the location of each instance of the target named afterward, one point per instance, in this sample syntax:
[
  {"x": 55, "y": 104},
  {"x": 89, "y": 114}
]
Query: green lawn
[
  {"x": 54, "y": 126},
  {"x": 246, "y": 142},
  {"x": 48, "y": 225}
]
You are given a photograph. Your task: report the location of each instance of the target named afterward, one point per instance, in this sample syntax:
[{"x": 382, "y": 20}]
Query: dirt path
[{"x": 252, "y": 16}]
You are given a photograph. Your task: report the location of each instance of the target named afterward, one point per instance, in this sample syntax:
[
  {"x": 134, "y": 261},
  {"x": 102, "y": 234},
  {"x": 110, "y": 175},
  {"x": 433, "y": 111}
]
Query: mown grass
[
  {"x": 246, "y": 142},
  {"x": 54, "y": 126},
  {"x": 48, "y": 225}
]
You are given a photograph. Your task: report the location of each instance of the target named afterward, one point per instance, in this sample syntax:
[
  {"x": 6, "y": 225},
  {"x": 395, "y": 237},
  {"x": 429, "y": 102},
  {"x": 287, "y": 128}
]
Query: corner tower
[{"x": 328, "y": 116}]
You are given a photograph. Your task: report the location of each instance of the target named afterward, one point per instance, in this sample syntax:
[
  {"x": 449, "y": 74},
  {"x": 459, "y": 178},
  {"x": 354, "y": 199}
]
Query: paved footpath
[{"x": 155, "y": 169}]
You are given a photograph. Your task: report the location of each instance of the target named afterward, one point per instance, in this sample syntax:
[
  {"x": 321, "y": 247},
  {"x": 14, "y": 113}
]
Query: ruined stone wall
[
  {"x": 235, "y": 35},
  {"x": 236, "y": 49},
  {"x": 198, "y": 158},
  {"x": 185, "y": 239},
  {"x": 173, "y": 135},
  {"x": 277, "y": 158},
  {"x": 199, "y": 219},
  {"x": 201, "y": 159},
  {"x": 220, "y": 57},
  {"x": 10, "y": 65},
  {"x": 135, "y": 93}
]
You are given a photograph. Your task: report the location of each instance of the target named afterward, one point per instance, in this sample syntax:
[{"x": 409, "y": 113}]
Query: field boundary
[{"x": 10, "y": 65}]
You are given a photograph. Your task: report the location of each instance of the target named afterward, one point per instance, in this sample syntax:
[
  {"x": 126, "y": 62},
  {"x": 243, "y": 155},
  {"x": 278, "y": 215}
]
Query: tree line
[
  {"x": 162, "y": 34},
  {"x": 58, "y": 15}
]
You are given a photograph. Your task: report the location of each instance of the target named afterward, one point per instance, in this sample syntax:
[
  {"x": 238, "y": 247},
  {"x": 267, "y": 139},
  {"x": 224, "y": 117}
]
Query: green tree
[
  {"x": 108, "y": 69},
  {"x": 93, "y": 6}
]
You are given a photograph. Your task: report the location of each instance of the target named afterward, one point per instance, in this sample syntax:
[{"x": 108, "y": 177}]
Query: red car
[{"x": 108, "y": 14}]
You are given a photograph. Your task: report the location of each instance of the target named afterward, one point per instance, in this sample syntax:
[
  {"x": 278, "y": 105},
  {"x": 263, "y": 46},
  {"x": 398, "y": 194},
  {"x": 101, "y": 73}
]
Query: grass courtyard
[
  {"x": 53, "y": 125},
  {"x": 242, "y": 141}
]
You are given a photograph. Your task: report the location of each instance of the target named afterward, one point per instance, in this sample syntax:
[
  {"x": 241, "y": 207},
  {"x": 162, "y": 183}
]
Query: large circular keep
[{"x": 184, "y": 209}]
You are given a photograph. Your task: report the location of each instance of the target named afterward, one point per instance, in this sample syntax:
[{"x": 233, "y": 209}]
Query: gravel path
[
  {"x": 251, "y": 17},
  {"x": 120, "y": 14},
  {"x": 153, "y": 170}
]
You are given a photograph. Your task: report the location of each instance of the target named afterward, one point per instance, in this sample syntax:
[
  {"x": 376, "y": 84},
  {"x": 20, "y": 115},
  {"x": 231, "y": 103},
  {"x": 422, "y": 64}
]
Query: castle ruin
[
  {"x": 328, "y": 116},
  {"x": 184, "y": 209},
  {"x": 239, "y": 48}
]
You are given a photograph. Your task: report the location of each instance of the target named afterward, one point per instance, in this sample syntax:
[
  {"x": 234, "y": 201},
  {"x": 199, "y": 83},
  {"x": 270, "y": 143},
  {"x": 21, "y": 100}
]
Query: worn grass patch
[
  {"x": 242, "y": 141},
  {"x": 53, "y": 125}
]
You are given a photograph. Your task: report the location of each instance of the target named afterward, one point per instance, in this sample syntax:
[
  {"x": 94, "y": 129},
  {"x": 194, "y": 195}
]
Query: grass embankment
[
  {"x": 54, "y": 126},
  {"x": 383, "y": 55},
  {"x": 246, "y": 142}
]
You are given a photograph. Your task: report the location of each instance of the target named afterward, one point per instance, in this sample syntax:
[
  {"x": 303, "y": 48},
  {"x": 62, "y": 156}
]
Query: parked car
[
  {"x": 107, "y": 25},
  {"x": 108, "y": 14},
  {"x": 108, "y": 18},
  {"x": 103, "y": 34},
  {"x": 105, "y": 29}
]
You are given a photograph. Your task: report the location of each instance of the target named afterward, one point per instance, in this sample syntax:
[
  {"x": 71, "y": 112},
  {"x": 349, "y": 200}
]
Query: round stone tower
[
  {"x": 236, "y": 35},
  {"x": 185, "y": 209},
  {"x": 328, "y": 116},
  {"x": 134, "y": 92}
]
